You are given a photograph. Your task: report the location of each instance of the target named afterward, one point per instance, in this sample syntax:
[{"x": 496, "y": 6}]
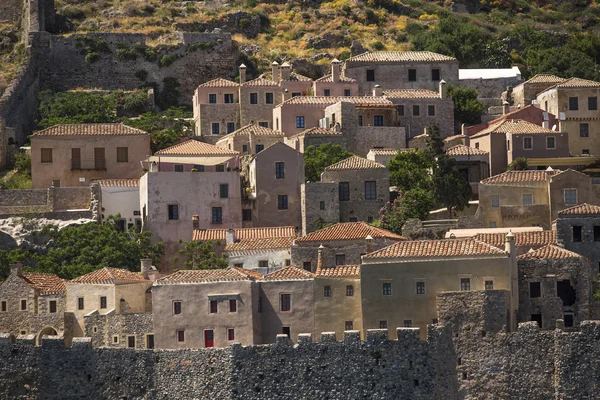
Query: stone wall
[
  {"x": 10, "y": 10},
  {"x": 52, "y": 202},
  {"x": 102, "y": 329},
  {"x": 33, "y": 197},
  {"x": 71, "y": 198},
  {"x": 490, "y": 90}
]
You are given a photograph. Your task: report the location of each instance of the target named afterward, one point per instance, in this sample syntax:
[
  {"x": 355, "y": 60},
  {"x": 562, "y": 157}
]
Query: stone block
[
  {"x": 351, "y": 336},
  {"x": 530, "y": 326},
  {"x": 328, "y": 337},
  {"x": 283, "y": 340},
  {"x": 81, "y": 343},
  {"x": 304, "y": 338},
  {"x": 377, "y": 335},
  {"x": 406, "y": 334},
  {"x": 26, "y": 340},
  {"x": 53, "y": 341}
]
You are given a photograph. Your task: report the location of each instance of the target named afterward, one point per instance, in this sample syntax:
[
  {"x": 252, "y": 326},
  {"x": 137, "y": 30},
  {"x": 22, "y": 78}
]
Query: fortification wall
[{"x": 52, "y": 201}]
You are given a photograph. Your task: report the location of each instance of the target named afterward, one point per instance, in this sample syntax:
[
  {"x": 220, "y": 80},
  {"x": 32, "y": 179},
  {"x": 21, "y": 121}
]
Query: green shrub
[
  {"x": 92, "y": 57},
  {"x": 23, "y": 162},
  {"x": 166, "y": 60},
  {"x": 136, "y": 103},
  {"x": 150, "y": 55},
  {"x": 75, "y": 108},
  {"x": 377, "y": 45},
  {"x": 126, "y": 53},
  {"x": 251, "y": 3}
]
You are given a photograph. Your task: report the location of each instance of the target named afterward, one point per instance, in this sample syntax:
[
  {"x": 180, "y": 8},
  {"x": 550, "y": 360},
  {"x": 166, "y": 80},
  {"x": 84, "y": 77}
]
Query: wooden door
[
  {"x": 209, "y": 338},
  {"x": 99, "y": 160}
]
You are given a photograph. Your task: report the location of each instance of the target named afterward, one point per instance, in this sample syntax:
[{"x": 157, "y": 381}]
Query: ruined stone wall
[
  {"x": 72, "y": 198},
  {"x": 490, "y": 90}
]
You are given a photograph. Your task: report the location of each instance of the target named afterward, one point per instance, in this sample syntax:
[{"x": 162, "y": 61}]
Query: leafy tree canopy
[
  {"x": 415, "y": 203},
  {"x": 451, "y": 187},
  {"x": 518, "y": 164},
  {"x": 410, "y": 169},
  {"x": 317, "y": 158},
  {"x": 75, "y": 108},
  {"x": 165, "y": 128},
  {"x": 201, "y": 255},
  {"x": 467, "y": 107}
]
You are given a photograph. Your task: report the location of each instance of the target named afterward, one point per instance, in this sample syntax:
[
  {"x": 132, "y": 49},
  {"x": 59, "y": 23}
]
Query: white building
[{"x": 121, "y": 196}]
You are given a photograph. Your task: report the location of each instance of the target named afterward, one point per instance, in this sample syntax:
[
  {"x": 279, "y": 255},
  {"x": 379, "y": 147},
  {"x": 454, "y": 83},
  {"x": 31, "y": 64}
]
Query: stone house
[
  {"x": 472, "y": 162},
  {"x": 223, "y": 237},
  {"x": 257, "y": 99},
  {"x": 514, "y": 138},
  {"x": 335, "y": 83},
  {"x": 531, "y": 198},
  {"x": 554, "y": 283},
  {"x": 524, "y": 241},
  {"x": 77, "y": 154},
  {"x": 194, "y": 156},
  {"x": 341, "y": 244},
  {"x": 400, "y": 70},
  {"x": 529, "y": 113},
  {"x": 121, "y": 196},
  {"x": 399, "y": 283},
  {"x": 34, "y": 304},
  {"x": 575, "y": 102},
  {"x": 315, "y": 137},
  {"x": 525, "y": 93},
  {"x": 292, "y": 83},
  {"x": 264, "y": 255},
  {"x": 216, "y": 109},
  {"x": 578, "y": 230},
  {"x": 381, "y": 155},
  {"x": 250, "y": 139},
  {"x": 273, "y": 192}
]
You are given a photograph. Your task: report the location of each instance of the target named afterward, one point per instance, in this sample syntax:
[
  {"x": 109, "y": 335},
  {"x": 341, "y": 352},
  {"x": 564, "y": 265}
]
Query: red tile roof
[
  {"x": 90, "y": 130},
  {"x": 329, "y": 79},
  {"x": 45, "y": 283},
  {"x": 522, "y": 239},
  {"x": 551, "y": 251},
  {"x": 462, "y": 150},
  {"x": 578, "y": 83},
  {"x": 110, "y": 276},
  {"x": 260, "y": 244},
  {"x": 219, "y": 83},
  {"x": 348, "y": 231},
  {"x": 399, "y": 56},
  {"x": 411, "y": 94},
  {"x": 437, "y": 248},
  {"x": 119, "y": 182},
  {"x": 384, "y": 152},
  {"x": 339, "y": 271},
  {"x": 254, "y": 128},
  {"x": 260, "y": 81},
  {"x": 519, "y": 177},
  {"x": 319, "y": 132},
  {"x": 516, "y": 127},
  {"x": 360, "y": 101},
  {"x": 545, "y": 78},
  {"x": 289, "y": 274},
  {"x": 245, "y": 233},
  {"x": 582, "y": 209},
  {"x": 193, "y": 147},
  {"x": 209, "y": 275},
  {"x": 355, "y": 162}
]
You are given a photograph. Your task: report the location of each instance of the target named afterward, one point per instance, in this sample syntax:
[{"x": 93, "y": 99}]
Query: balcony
[{"x": 97, "y": 164}]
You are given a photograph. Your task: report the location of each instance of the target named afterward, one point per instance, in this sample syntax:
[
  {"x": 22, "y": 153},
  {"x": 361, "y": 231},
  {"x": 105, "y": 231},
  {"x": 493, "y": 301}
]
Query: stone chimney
[
  {"x": 336, "y": 67},
  {"x": 230, "y": 236},
  {"x": 275, "y": 71},
  {"x": 442, "y": 89},
  {"x": 251, "y": 140},
  {"x": 505, "y": 107},
  {"x": 511, "y": 249},
  {"x": 321, "y": 258},
  {"x": 370, "y": 244},
  {"x": 195, "y": 222},
  {"x": 242, "y": 69},
  {"x": 150, "y": 272},
  {"x": 286, "y": 70},
  {"x": 145, "y": 264},
  {"x": 16, "y": 269},
  {"x": 377, "y": 91}
]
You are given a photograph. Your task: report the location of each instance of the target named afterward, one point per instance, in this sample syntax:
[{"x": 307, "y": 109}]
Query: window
[
  {"x": 212, "y": 98},
  {"x": 592, "y": 103},
  {"x": 46, "y": 155},
  {"x": 577, "y": 233},
  {"x": 435, "y": 74},
  {"x": 4, "y": 306},
  {"x": 232, "y": 305},
  {"x": 219, "y": 168},
  {"x": 217, "y": 215},
  {"x": 489, "y": 285},
  {"x": 300, "y": 121},
  {"x": 288, "y": 262},
  {"x": 573, "y": 103},
  {"x": 223, "y": 190},
  {"x": 412, "y": 75},
  {"x": 327, "y": 291},
  {"x": 52, "y": 306},
  {"x": 387, "y": 288},
  {"x": 321, "y": 205},
  {"x": 507, "y": 145},
  {"x": 215, "y": 128},
  {"x": 178, "y": 168},
  {"x": 246, "y": 214},
  {"x": 340, "y": 259},
  {"x": 149, "y": 341},
  {"x": 296, "y": 94},
  {"x": 347, "y": 92},
  {"x": 263, "y": 264},
  {"x": 477, "y": 145},
  {"x": 465, "y": 283},
  {"x": 279, "y": 170},
  {"x": 180, "y": 335},
  {"x": 285, "y": 330},
  {"x": 568, "y": 318},
  {"x": 360, "y": 120},
  {"x": 352, "y": 219},
  {"x": 584, "y": 130},
  {"x": 585, "y": 152},
  {"x": 571, "y": 197},
  {"x": 173, "y": 212},
  {"x": 382, "y": 324},
  {"x": 408, "y": 323},
  {"x": 176, "y": 307},
  {"x": 115, "y": 339},
  {"x": 401, "y": 110},
  {"x": 416, "y": 111},
  {"x": 264, "y": 124},
  {"x": 230, "y": 334},
  {"x": 209, "y": 338},
  {"x": 268, "y": 98},
  {"x": 527, "y": 199},
  {"x": 213, "y": 307},
  {"x": 307, "y": 265},
  {"x": 103, "y": 302},
  {"x": 535, "y": 290},
  {"x": 80, "y": 304},
  {"x": 495, "y": 200},
  {"x": 344, "y": 188},
  {"x": 420, "y": 287},
  {"x": 131, "y": 342},
  {"x": 228, "y": 98},
  {"x": 596, "y": 233},
  {"x": 550, "y": 143},
  {"x": 253, "y": 98},
  {"x": 349, "y": 290},
  {"x": 230, "y": 127},
  {"x": 285, "y": 302},
  {"x": 198, "y": 168},
  {"x": 122, "y": 154},
  {"x": 370, "y": 190},
  {"x": 258, "y": 148},
  {"x": 326, "y": 92},
  {"x": 348, "y": 326},
  {"x": 378, "y": 120},
  {"x": 282, "y": 202},
  {"x": 527, "y": 143},
  {"x": 245, "y": 148},
  {"x": 370, "y": 75}
]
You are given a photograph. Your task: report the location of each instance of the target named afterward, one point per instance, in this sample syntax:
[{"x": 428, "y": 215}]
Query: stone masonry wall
[
  {"x": 103, "y": 328},
  {"x": 32, "y": 197},
  {"x": 72, "y": 198},
  {"x": 52, "y": 202}
]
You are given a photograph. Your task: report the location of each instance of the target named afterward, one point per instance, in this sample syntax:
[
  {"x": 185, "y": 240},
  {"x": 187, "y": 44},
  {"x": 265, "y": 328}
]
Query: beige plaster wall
[
  {"x": 91, "y": 301},
  {"x": 331, "y": 313}
]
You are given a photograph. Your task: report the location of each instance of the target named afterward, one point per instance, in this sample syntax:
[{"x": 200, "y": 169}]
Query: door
[
  {"x": 149, "y": 341},
  {"x": 209, "y": 338},
  {"x": 76, "y": 158},
  {"x": 99, "y": 160}
]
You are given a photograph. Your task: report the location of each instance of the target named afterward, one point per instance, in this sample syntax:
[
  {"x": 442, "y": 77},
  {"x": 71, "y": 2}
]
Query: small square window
[
  {"x": 228, "y": 98},
  {"x": 431, "y": 111},
  {"x": 321, "y": 205},
  {"x": 387, "y": 288},
  {"x": 46, "y": 155},
  {"x": 253, "y": 98},
  {"x": 416, "y": 111},
  {"x": 230, "y": 334},
  {"x": 528, "y": 143},
  {"x": 103, "y": 302},
  {"x": 347, "y": 92},
  {"x": 217, "y": 215},
  {"x": 4, "y": 306},
  {"x": 259, "y": 147},
  {"x": 568, "y": 318},
  {"x": 535, "y": 290},
  {"x": 585, "y": 152},
  {"x": 370, "y": 75},
  {"x": 282, "y": 202},
  {"x": 245, "y": 148},
  {"x": 52, "y": 306},
  {"x": 178, "y": 168},
  {"x": 223, "y": 190},
  {"x": 180, "y": 335},
  {"x": 378, "y": 120},
  {"x": 212, "y": 98},
  {"x": 327, "y": 291},
  {"x": 279, "y": 170},
  {"x": 263, "y": 264},
  {"x": 435, "y": 74},
  {"x": 360, "y": 120},
  {"x": 131, "y": 342},
  {"x": 344, "y": 191},
  {"x": 115, "y": 339},
  {"x": 177, "y": 307},
  {"x": 348, "y": 326},
  {"x": 288, "y": 262},
  {"x": 199, "y": 168},
  {"x": 349, "y": 290},
  {"x": 173, "y": 211},
  {"x": 340, "y": 259},
  {"x": 577, "y": 233},
  {"x": 382, "y": 324},
  {"x": 215, "y": 128},
  {"x": 307, "y": 265},
  {"x": 353, "y": 219},
  {"x": 285, "y": 302},
  {"x": 23, "y": 305},
  {"x": 420, "y": 287},
  {"x": 551, "y": 143},
  {"x": 246, "y": 214},
  {"x": 495, "y": 200},
  {"x": 300, "y": 122},
  {"x": 570, "y": 197},
  {"x": 584, "y": 130},
  {"x": 465, "y": 283},
  {"x": 573, "y": 103},
  {"x": 412, "y": 75},
  {"x": 527, "y": 199},
  {"x": 232, "y": 305},
  {"x": 489, "y": 285},
  {"x": 592, "y": 103},
  {"x": 370, "y": 190},
  {"x": 122, "y": 154},
  {"x": 326, "y": 92},
  {"x": 401, "y": 110},
  {"x": 596, "y": 233},
  {"x": 285, "y": 330},
  {"x": 268, "y": 98},
  {"x": 220, "y": 168},
  {"x": 213, "y": 306},
  {"x": 230, "y": 127}
]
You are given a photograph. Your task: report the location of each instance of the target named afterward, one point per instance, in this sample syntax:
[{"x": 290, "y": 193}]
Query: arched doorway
[{"x": 47, "y": 331}]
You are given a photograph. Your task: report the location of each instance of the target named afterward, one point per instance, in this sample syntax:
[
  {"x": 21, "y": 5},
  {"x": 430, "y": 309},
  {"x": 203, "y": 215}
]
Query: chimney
[
  {"x": 150, "y": 272},
  {"x": 377, "y": 91},
  {"x": 442, "y": 89},
  {"x": 16, "y": 269},
  {"x": 286, "y": 70},
  {"x": 511, "y": 249},
  {"x": 505, "y": 108},
  {"x": 286, "y": 94},
  {"x": 275, "y": 71},
  {"x": 321, "y": 258},
  {"x": 242, "y": 69},
  {"x": 195, "y": 222},
  {"x": 146, "y": 264},
  {"x": 335, "y": 70},
  {"x": 370, "y": 244},
  {"x": 230, "y": 236},
  {"x": 251, "y": 147}
]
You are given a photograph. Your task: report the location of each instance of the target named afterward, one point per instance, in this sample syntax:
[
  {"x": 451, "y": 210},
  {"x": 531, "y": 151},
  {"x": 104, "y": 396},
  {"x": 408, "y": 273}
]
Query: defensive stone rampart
[{"x": 45, "y": 201}]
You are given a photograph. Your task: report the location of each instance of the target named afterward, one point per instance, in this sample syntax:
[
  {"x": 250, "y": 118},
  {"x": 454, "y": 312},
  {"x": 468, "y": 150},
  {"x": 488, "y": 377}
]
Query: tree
[
  {"x": 467, "y": 107},
  {"x": 201, "y": 255},
  {"x": 518, "y": 164},
  {"x": 75, "y": 108},
  {"x": 165, "y": 128},
  {"x": 409, "y": 170},
  {"x": 435, "y": 143},
  {"x": 317, "y": 158},
  {"x": 414, "y": 203},
  {"x": 451, "y": 187}
]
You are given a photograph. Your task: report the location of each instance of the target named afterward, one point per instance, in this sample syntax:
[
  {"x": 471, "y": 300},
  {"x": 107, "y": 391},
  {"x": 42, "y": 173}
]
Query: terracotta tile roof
[
  {"x": 578, "y": 83},
  {"x": 329, "y": 78},
  {"x": 119, "y": 182},
  {"x": 209, "y": 275},
  {"x": 582, "y": 209},
  {"x": 550, "y": 251},
  {"x": 105, "y": 276},
  {"x": 298, "y": 77},
  {"x": 360, "y": 101},
  {"x": 339, "y": 271},
  {"x": 245, "y": 233},
  {"x": 219, "y": 83},
  {"x": 260, "y": 244},
  {"x": 260, "y": 81},
  {"x": 355, "y": 162},
  {"x": 193, "y": 147},
  {"x": 522, "y": 239},
  {"x": 256, "y": 129},
  {"x": 519, "y": 177},
  {"x": 45, "y": 283},
  {"x": 462, "y": 150},
  {"x": 437, "y": 248},
  {"x": 400, "y": 56},
  {"x": 514, "y": 126},
  {"x": 384, "y": 152},
  {"x": 289, "y": 274},
  {"x": 90, "y": 130},
  {"x": 319, "y": 132},
  {"x": 348, "y": 231},
  {"x": 411, "y": 94},
  {"x": 450, "y": 138},
  {"x": 545, "y": 78}
]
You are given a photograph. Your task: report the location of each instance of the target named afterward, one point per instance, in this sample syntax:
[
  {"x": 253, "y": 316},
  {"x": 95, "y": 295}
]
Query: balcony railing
[{"x": 88, "y": 164}]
